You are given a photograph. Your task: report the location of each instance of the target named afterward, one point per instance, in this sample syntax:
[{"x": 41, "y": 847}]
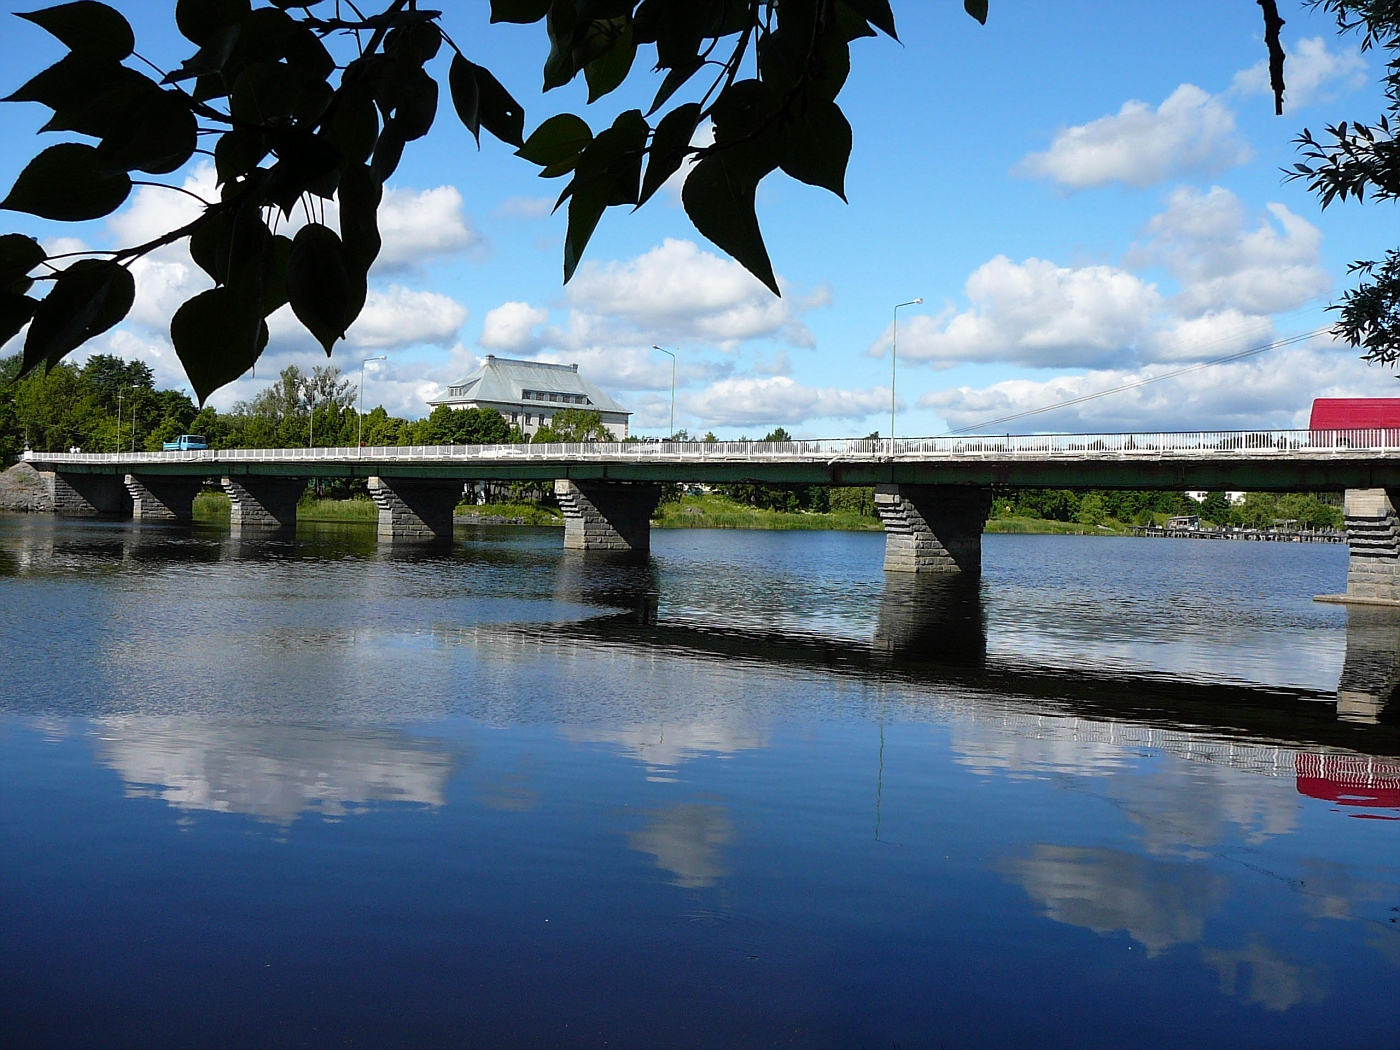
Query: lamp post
[
  {"x": 360, "y": 433},
  {"x": 673, "y": 386},
  {"x": 894, "y": 350},
  {"x": 119, "y": 420}
]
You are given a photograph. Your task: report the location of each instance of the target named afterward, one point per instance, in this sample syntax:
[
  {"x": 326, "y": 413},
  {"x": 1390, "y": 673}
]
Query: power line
[{"x": 1237, "y": 356}]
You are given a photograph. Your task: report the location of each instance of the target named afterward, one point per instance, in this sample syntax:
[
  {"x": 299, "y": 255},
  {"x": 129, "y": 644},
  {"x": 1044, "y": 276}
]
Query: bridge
[{"x": 932, "y": 494}]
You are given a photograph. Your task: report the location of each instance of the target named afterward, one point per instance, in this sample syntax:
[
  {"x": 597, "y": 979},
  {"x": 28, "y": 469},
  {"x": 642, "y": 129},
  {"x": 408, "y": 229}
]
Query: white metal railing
[{"x": 1234, "y": 444}]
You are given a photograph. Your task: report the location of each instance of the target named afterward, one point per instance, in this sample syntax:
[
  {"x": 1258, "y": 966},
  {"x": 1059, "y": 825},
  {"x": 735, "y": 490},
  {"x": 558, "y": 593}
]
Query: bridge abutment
[
  {"x": 86, "y": 495},
  {"x": 263, "y": 502},
  {"x": 156, "y": 497},
  {"x": 1373, "y": 539},
  {"x": 933, "y": 528},
  {"x": 415, "y": 508},
  {"x": 607, "y": 515}
]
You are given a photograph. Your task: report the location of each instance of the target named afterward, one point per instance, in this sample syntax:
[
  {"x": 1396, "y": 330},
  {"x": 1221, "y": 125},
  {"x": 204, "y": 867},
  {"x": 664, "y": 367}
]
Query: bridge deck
[{"x": 1279, "y": 460}]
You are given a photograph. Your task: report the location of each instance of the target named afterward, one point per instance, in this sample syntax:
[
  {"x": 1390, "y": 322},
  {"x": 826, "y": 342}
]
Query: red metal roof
[{"x": 1355, "y": 413}]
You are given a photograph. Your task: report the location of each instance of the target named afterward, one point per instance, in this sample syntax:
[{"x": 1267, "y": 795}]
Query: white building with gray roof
[{"x": 528, "y": 393}]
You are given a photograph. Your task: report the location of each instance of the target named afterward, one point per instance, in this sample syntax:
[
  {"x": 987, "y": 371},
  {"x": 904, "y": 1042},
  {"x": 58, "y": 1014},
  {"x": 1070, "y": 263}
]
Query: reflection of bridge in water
[{"x": 932, "y": 494}]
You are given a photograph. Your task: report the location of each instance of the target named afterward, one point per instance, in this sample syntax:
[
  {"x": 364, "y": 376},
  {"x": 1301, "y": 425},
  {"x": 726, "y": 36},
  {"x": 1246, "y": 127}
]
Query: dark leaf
[
  {"x": 306, "y": 162},
  {"x": 88, "y": 298},
  {"x": 850, "y": 25},
  {"x": 976, "y": 8},
  {"x": 354, "y": 123},
  {"x": 559, "y": 67},
  {"x": 210, "y": 244},
  {"x": 610, "y": 69},
  {"x": 306, "y": 54},
  {"x": 817, "y": 146},
  {"x": 481, "y": 101},
  {"x": 417, "y": 104},
  {"x": 200, "y": 21},
  {"x": 264, "y": 35},
  {"x": 15, "y": 312},
  {"x": 586, "y": 207},
  {"x": 673, "y": 81},
  {"x": 360, "y": 194},
  {"x": 387, "y": 153},
  {"x": 414, "y": 44},
  {"x": 160, "y": 135},
  {"x": 878, "y": 13},
  {"x": 238, "y": 152},
  {"x": 89, "y": 95},
  {"x": 217, "y": 339},
  {"x": 66, "y": 183},
  {"x": 275, "y": 274},
  {"x": 669, "y": 147},
  {"x": 264, "y": 93},
  {"x": 521, "y": 11},
  {"x": 558, "y": 140},
  {"x": 18, "y": 255},
  {"x": 325, "y": 288},
  {"x": 747, "y": 129},
  {"x": 466, "y": 96},
  {"x": 87, "y": 26},
  {"x": 719, "y": 198},
  {"x": 213, "y": 57}
]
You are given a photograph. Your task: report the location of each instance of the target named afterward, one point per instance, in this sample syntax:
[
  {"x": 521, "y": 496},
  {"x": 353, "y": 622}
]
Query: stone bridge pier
[
  {"x": 262, "y": 502},
  {"x": 933, "y": 528},
  {"x": 1373, "y": 538},
  {"x": 86, "y": 495},
  {"x": 157, "y": 497},
  {"x": 415, "y": 508},
  {"x": 607, "y": 515}
]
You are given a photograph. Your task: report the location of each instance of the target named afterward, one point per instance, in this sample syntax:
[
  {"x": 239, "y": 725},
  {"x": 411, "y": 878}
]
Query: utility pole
[{"x": 672, "y": 356}]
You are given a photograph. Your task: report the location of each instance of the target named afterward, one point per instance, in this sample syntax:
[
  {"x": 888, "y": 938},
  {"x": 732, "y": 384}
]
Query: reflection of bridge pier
[
  {"x": 940, "y": 620},
  {"x": 1371, "y": 672}
]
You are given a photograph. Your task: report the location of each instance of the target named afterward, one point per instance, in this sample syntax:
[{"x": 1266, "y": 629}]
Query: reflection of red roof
[
  {"x": 1350, "y": 780},
  {"x": 1355, "y": 413}
]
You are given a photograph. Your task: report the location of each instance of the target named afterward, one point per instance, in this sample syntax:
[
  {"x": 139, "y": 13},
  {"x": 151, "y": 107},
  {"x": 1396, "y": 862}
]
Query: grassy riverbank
[
  {"x": 716, "y": 512},
  {"x": 1045, "y": 527}
]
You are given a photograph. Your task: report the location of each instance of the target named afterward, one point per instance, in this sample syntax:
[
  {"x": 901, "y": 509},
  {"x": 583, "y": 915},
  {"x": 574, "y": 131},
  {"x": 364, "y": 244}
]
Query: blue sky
[{"x": 1084, "y": 194}]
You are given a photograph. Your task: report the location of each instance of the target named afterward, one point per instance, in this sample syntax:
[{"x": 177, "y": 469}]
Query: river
[{"x": 311, "y": 791}]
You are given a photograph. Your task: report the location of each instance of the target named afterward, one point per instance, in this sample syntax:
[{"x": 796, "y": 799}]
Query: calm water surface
[{"x": 748, "y": 792}]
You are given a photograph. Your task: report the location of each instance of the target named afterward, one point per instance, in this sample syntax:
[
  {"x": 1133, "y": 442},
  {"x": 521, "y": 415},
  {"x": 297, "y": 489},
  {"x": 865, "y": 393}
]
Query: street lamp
[
  {"x": 894, "y": 348},
  {"x": 360, "y": 435},
  {"x": 673, "y": 386},
  {"x": 119, "y": 421}
]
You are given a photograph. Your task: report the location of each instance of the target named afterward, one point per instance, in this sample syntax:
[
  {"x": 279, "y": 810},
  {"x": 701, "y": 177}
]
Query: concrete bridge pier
[
  {"x": 607, "y": 515},
  {"x": 158, "y": 497},
  {"x": 415, "y": 508},
  {"x": 933, "y": 528},
  {"x": 263, "y": 502},
  {"x": 1371, "y": 673},
  {"x": 1373, "y": 537},
  {"x": 86, "y": 494}
]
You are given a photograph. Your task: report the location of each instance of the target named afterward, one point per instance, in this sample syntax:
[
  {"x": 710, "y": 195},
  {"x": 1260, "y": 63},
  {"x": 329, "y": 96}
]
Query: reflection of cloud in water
[
  {"x": 1274, "y": 983},
  {"x": 272, "y": 772},
  {"x": 1157, "y": 904},
  {"x": 661, "y": 748},
  {"x": 686, "y": 840},
  {"x": 1201, "y": 787}
]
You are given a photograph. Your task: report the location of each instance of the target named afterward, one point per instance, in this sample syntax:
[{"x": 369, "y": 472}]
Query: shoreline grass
[{"x": 716, "y": 512}]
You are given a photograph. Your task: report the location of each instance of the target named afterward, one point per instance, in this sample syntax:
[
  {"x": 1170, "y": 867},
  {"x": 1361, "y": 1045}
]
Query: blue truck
[{"x": 186, "y": 443}]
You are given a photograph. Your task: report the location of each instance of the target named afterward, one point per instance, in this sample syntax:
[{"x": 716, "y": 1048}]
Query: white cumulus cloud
[
  {"x": 1190, "y": 133},
  {"x": 403, "y": 317},
  {"x": 418, "y": 225},
  {"x": 746, "y": 401},
  {"x": 1035, "y": 313},
  {"x": 511, "y": 327}
]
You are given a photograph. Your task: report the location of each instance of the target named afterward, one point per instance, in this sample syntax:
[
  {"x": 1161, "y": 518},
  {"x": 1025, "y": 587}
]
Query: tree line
[{"x": 108, "y": 404}]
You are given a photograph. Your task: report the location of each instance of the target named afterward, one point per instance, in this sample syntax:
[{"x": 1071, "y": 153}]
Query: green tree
[
  {"x": 1215, "y": 508},
  {"x": 1092, "y": 510},
  {"x": 462, "y": 426},
  {"x": 574, "y": 424}
]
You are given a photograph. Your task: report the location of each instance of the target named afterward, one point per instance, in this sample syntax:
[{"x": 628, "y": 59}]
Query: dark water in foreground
[{"x": 747, "y": 793}]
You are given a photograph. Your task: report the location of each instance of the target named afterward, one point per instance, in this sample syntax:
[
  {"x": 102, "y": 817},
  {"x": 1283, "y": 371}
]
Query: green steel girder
[{"x": 1263, "y": 474}]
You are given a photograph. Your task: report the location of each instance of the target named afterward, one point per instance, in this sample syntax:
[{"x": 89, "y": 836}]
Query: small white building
[{"x": 528, "y": 393}]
